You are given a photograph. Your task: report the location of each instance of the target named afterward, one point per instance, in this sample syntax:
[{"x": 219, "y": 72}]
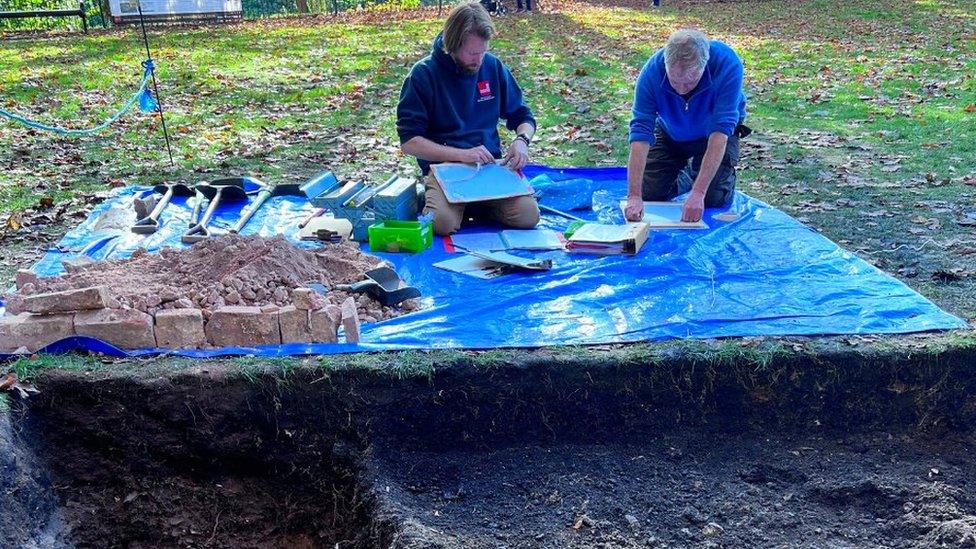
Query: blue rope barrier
[{"x": 147, "y": 103}]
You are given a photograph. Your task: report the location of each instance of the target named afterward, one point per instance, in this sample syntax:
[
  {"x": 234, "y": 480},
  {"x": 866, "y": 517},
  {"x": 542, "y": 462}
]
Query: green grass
[{"x": 25, "y": 368}]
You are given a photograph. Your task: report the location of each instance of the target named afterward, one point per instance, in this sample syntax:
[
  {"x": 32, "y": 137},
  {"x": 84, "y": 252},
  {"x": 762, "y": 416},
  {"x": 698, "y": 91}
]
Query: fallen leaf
[
  {"x": 12, "y": 383},
  {"x": 14, "y": 222},
  {"x": 970, "y": 107}
]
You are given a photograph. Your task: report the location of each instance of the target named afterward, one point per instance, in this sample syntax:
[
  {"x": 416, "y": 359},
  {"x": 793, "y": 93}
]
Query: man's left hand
[
  {"x": 694, "y": 207},
  {"x": 517, "y": 155}
]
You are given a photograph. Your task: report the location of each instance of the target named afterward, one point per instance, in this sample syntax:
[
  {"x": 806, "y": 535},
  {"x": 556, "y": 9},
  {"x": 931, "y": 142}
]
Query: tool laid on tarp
[
  {"x": 231, "y": 188},
  {"x": 561, "y": 213},
  {"x": 324, "y": 235},
  {"x": 279, "y": 189},
  {"x": 150, "y": 224},
  {"x": 198, "y": 200},
  {"x": 317, "y": 212},
  {"x": 384, "y": 285}
]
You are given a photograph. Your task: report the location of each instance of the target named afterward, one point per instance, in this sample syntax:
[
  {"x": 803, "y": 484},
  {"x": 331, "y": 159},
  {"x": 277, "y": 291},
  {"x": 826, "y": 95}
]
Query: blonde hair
[{"x": 464, "y": 19}]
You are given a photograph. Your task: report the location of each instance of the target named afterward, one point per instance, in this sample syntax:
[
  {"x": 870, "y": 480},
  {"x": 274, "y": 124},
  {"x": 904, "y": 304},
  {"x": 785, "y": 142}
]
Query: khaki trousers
[{"x": 520, "y": 212}]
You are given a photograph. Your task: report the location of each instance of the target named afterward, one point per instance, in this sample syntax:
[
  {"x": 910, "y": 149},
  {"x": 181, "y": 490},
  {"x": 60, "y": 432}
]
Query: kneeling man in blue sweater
[
  {"x": 688, "y": 106},
  {"x": 449, "y": 110}
]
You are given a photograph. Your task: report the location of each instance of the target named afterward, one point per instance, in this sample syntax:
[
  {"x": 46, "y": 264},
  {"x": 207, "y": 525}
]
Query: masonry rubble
[{"x": 226, "y": 291}]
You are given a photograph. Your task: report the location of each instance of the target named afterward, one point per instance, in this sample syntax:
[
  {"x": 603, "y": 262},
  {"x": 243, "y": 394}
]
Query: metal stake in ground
[{"x": 159, "y": 100}]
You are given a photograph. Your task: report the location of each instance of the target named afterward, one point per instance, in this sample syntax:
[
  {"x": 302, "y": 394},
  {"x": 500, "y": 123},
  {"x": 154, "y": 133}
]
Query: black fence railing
[{"x": 28, "y": 15}]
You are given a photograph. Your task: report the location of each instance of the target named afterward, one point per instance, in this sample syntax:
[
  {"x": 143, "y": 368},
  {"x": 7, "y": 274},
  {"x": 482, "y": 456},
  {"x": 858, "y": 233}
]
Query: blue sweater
[
  {"x": 438, "y": 101},
  {"x": 717, "y": 104}
]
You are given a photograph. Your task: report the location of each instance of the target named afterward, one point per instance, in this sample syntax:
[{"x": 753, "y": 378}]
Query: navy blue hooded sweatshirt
[
  {"x": 442, "y": 103},
  {"x": 717, "y": 104}
]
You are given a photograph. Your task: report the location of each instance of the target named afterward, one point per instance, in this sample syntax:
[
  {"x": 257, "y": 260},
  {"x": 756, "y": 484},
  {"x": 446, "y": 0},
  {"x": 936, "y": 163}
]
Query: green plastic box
[{"x": 400, "y": 236}]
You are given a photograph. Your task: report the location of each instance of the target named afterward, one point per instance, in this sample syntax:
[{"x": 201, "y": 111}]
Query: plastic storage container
[{"x": 400, "y": 236}]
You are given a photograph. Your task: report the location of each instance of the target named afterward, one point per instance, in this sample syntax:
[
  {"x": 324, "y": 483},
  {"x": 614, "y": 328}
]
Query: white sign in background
[{"x": 123, "y": 8}]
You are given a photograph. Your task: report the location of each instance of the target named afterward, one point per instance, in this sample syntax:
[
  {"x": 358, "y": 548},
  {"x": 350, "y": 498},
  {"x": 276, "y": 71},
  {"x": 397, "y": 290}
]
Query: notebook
[{"x": 511, "y": 239}]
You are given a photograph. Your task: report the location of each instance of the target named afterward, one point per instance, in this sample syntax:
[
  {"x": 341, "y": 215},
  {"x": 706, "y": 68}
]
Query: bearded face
[{"x": 471, "y": 53}]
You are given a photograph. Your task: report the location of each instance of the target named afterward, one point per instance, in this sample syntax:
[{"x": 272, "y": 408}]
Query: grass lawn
[{"x": 864, "y": 111}]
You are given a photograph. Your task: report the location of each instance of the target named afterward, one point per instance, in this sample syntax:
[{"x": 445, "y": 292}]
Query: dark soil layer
[
  {"x": 544, "y": 452},
  {"x": 689, "y": 489}
]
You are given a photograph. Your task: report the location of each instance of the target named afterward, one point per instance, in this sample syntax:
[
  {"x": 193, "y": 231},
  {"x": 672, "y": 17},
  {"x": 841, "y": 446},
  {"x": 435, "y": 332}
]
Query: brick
[
  {"x": 237, "y": 326},
  {"x": 294, "y": 325},
  {"x": 350, "y": 320},
  {"x": 180, "y": 329},
  {"x": 33, "y": 331},
  {"x": 74, "y": 265},
  {"x": 308, "y": 299},
  {"x": 69, "y": 301},
  {"x": 13, "y": 304},
  {"x": 325, "y": 324},
  {"x": 124, "y": 328},
  {"x": 25, "y": 277}
]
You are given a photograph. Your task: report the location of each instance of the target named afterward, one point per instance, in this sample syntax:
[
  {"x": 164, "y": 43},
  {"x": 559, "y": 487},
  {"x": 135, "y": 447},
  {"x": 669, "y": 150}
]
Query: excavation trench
[{"x": 538, "y": 451}]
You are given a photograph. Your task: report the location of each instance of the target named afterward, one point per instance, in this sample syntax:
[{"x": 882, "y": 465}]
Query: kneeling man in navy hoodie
[
  {"x": 449, "y": 109},
  {"x": 688, "y": 105}
]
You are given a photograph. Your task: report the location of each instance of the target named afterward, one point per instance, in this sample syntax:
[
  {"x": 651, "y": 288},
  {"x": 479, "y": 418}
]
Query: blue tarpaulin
[{"x": 761, "y": 274}]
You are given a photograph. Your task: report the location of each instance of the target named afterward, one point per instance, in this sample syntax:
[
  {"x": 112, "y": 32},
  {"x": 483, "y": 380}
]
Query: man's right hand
[
  {"x": 634, "y": 211},
  {"x": 475, "y": 155}
]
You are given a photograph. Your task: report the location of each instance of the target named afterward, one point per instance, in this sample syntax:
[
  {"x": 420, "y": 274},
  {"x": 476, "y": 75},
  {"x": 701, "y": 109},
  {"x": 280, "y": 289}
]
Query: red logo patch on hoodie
[
  {"x": 484, "y": 91},
  {"x": 484, "y": 88}
]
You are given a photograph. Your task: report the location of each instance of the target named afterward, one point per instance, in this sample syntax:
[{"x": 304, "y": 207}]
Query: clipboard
[
  {"x": 665, "y": 215},
  {"x": 464, "y": 183}
]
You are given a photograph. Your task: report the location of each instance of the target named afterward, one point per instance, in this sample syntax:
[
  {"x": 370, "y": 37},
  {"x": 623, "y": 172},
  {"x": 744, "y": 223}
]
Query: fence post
[{"x": 84, "y": 17}]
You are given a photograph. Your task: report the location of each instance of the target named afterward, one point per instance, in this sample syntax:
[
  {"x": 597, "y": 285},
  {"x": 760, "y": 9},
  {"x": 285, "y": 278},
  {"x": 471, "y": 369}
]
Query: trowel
[{"x": 382, "y": 284}]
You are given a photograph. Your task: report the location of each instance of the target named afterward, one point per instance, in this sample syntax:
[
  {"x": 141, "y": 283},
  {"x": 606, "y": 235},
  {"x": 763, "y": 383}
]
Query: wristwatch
[{"x": 524, "y": 137}]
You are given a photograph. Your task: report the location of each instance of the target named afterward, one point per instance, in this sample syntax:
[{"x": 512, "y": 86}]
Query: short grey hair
[{"x": 686, "y": 49}]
